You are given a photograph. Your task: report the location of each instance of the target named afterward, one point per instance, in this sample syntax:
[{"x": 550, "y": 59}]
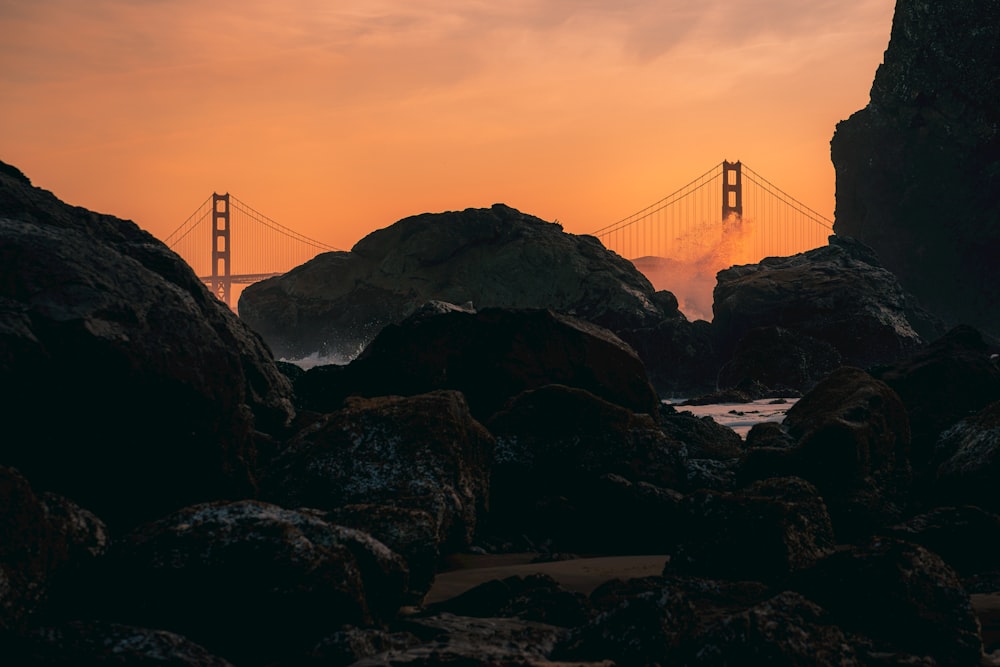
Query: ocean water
[{"x": 739, "y": 416}]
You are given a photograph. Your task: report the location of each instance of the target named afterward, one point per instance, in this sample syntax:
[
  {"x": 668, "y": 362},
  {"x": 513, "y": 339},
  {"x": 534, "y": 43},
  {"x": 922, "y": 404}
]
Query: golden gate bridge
[{"x": 729, "y": 211}]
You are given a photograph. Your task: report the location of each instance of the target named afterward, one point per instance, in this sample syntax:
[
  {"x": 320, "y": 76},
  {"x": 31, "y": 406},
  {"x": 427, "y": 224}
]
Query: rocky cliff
[{"x": 918, "y": 169}]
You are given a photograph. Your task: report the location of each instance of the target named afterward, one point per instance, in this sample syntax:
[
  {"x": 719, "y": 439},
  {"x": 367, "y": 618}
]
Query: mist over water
[{"x": 696, "y": 258}]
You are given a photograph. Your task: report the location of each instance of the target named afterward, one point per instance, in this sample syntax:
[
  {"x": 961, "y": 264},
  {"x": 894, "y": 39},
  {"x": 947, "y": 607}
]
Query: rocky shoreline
[{"x": 170, "y": 494}]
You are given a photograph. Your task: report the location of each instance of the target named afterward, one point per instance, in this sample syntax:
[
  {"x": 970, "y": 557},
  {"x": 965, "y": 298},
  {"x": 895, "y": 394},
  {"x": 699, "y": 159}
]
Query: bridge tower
[
  {"x": 732, "y": 189},
  {"x": 222, "y": 283}
]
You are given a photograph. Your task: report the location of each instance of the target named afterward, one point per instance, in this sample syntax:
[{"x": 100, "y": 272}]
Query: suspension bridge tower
[
  {"x": 732, "y": 189},
  {"x": 222, "y": 284}
]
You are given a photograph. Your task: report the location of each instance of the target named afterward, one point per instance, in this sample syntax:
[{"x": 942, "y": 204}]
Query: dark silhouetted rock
[
  {"x": 350, "y": 645},
  {"x": 852, "y": 441},
  {"x": 101, "y": 643},
  {"x": 645, "y": 623},
  {"x": 490, "y": 357},
  {"x": 779, "y": 358},
  {"x": 762, "y": 533},
  {"x": 769, "y": 434},
  {"x": 837, "y": 296},
  {"x": 253, "y": 581},
  {"x": 135, "y": 391},
  {"x": 918, "y": 169},
  {"x": 536, "y": 597},
  {"x": 680, "y": 356},
  {"x": 472, "y": 642},
  {"x": 971, "y": 453},
  {"x": 787, "y": 629},
  {"x": 412, "y": 533},
  {"x": 703, "y": 436},
  {"x": 952, "y": 378},
  {"x": 44, "y": 538},
  {"x": 556, "y": 443},
  {"x": 492, "y": 258},
  {"x": 967, "y": 538},
  {"x": 422, "y": 452},
  {"x": 900, "y": 595}
]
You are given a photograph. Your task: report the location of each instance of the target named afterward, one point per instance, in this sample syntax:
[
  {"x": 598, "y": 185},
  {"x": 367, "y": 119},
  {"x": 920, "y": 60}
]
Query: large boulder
[
  {"x": 554, "y": 445},
  {"x": 250, "y": 581},
  {"x": 852, "y": 441},
  {"x": 494, "y": 258},
  {"x": 489, "y": 356},
  {"x": 898, "y": 595},
  {"x": 132, "y": 390},
  {"x": 837, "y": 294},
  {"x": 971, "y": 453},
  {"x": 918, "y": 169},
  {"x": 951, "y": 379},
  {"x": 422, "y": 452},
  {"x": 44, "y": 539}
]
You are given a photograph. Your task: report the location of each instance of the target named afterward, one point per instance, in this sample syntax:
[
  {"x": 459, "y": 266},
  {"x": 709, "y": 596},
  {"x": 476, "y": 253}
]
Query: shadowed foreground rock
[
  {"x": 422, "y": 452},
  {"x": 252, "y": 581},
  {"x": 489, "y": 356},
  {"x": 133, "y": 390},
  {"x": 852, "y": 441}
]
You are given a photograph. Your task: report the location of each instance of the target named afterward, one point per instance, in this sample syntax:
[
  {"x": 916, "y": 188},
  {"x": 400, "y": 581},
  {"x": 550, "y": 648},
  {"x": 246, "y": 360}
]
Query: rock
[
  {"x": 952, "y": 378},
  {"x": 130, "y": 376},
  {"x": 489, "y": 356},
  {"x": 473, "y": 642},
  {"x": 779, "y": 359},
  {"x": 536, "y": 597},
  {"x": 556, "y": 442},
  {"x": 786, "y": 629},
  {"x": 494, "y": 258},
  {"x": 762, "y": 533},
  {"x": 837, "y": 296},
  {"x": 968, "y": 475},
  {"x": 252, "y": 581},
  {"x": 643, "y": 627},
  {"x": 703, "y": 436},
  {"x": 769, "y": 434},
  {"x": 44, "y": 540},
  {"x": 351, "y": 645},
  {"x": 411, "y": 533},
  {"x": 918, "y": 172},
  {"x": 901, "y": 596},
  {"x": 852, "y": 441},
  {"x": 680, "y": 356},
  {"x": 422, "y": 452},
  {"x": 103, "y": 643},
  {"x": 967, "y": 538}
]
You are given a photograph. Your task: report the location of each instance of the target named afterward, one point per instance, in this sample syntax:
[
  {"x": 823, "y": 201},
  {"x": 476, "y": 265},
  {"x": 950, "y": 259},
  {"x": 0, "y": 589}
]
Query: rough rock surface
[
  {"x": 489, "y": 356},
  {"x": 852, "y": 441},
  {"x": 135, "y": 391},
  {"x": 43, "y": 538},
  {"x": 102, "y": 643},
  {"x": 951, "y": 379},
  {"x": 918, "y": 169},
  {"x": 837, "y": 294},
  {"x": 899, "y": 595},
  {"x": 492, "y": 258},
  {"x": 553, "y": 444},
  {"x": 252, "y": 581},
  {"x": 762, "y": 533},
  {"x": 969, "y": 473},
  {"x": 424, "y": 452}
]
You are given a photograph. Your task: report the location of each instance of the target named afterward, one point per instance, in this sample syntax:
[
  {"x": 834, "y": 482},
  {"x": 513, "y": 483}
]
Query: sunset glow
[{"x": 337, "y": 118}]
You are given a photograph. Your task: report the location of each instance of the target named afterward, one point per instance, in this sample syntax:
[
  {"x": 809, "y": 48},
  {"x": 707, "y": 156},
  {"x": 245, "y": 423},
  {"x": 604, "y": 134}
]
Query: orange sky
[{"x": 339, "y": 117}]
